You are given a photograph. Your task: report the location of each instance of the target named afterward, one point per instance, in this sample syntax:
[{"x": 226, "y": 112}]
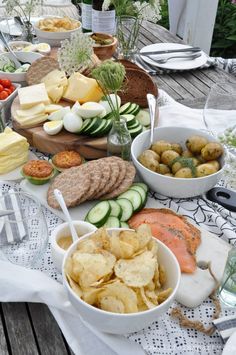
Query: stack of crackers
[{"x": 103, "y": 179}]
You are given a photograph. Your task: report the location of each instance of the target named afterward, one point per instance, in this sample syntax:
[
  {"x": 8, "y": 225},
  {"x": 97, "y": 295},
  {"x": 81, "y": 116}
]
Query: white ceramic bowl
[
  {"x": 63, "y": 230},
  {"x": 53, "y": 38},
  {"x": 166, "y": 185},
  {"x": 29, "y": 57},
  {"x": 115, "y": 323}
]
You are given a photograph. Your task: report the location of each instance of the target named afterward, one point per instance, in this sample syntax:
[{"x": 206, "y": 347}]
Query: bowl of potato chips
[
  {"x": 120, "y": 280},
  {"x": 53, "y": 30}
]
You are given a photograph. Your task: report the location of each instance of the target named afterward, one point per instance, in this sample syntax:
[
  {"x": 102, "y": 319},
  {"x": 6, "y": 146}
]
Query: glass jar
[
  {"x": 127, "y": 35},
  {"x": 119, "y": 140},
  {"x": 227, "y": 291}
]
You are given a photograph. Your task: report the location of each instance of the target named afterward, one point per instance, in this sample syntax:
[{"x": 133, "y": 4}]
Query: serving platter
[{"x": 194, "y": 288}]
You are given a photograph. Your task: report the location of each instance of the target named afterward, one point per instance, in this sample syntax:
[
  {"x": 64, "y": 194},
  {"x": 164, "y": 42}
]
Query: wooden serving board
[
  {"x": 88, "y": 147},
  {"x": 194, "y": 288}
]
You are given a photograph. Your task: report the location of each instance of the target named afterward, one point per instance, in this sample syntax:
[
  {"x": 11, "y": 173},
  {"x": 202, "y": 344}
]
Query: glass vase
[
  {"x": 119, "y": 140},
  {"x": 227, "y": 291},
  {"x": 127, "y": 35}
]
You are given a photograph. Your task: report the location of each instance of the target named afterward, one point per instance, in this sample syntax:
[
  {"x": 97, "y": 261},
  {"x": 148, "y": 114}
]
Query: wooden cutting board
[
  {"x": 89, "y": 148},
  {"x": 194, "y": 288}
]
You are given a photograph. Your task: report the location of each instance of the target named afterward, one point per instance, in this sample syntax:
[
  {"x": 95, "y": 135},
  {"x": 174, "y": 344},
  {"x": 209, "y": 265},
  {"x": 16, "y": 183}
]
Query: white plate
[
  {"x": 173, "y": 64},
  {"x": 230, "y": 347},
  {"x": 15, "y": 175}
]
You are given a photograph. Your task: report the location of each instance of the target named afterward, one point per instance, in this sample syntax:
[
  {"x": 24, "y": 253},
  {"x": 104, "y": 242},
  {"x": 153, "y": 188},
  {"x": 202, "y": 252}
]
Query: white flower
[
  {"x": 148, "y": 11},
  {"x": 106, "y": 4},
  {"x": 76, "y": 54},
  {"x": 22, "y": 9}
]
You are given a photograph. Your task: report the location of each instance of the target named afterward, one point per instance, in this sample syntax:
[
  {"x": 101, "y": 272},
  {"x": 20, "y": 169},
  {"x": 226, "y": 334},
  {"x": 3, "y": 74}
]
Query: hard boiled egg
[
  {"x": 53, "y": 127},
  {"x": 59, "y": 114},
  {"x": 72, "y": 122},
  {"x": 43, "y": 48},
  {"x": 90, "y": 109},
  {"x": 75, "y": 108},
  {"x": 115, "y": 103}
]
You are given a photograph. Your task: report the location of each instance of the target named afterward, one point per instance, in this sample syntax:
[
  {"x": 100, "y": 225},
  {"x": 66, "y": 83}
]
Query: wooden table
[{"x": 29, "y": 329}]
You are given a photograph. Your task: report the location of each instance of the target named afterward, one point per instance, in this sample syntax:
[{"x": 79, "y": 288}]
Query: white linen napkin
[{"x": 19, "y": 284}]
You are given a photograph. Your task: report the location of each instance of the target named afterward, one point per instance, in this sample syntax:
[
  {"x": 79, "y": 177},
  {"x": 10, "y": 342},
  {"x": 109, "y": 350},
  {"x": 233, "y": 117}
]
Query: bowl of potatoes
[{"x": 182, "y": 162}]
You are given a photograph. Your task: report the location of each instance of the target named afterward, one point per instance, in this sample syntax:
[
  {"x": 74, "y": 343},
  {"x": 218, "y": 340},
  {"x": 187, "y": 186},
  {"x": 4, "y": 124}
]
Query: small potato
[
  {"x": 184, "y": 173},
  {"x": 149, "y": 159},
  {"x": 187, "y": 154},
  {"x": 160, "y": 146},
  {"x": 215, "y": 163},
  {"x": 212, "y": 151},
  {"x": 200, "y": 159},
  {"x": 169, "y": 174},
  {"x": 205, "y": 169},
  {"x": 163, "y": 169},
  {"x": 184, "y": 163},
  {"x": 168, "y": 156},
  {"x": 177, "y": 148},
  {"x": 176, "y": 166},
  {"x": 196, "y": 143}
]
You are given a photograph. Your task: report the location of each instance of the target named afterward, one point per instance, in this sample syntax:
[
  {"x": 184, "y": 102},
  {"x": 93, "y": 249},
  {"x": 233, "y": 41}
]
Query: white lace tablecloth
[{"x": 165, "y": 336}]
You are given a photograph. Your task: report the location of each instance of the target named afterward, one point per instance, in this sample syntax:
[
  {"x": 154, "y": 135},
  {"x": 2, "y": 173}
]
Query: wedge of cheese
[
  {"x": 14, "y": 150},
  {"x": 55, "y": 93},
  {"x": 30, "y": 96},
  {"x": 55, "y": 83},
  {"x": 82, "y": 89}
]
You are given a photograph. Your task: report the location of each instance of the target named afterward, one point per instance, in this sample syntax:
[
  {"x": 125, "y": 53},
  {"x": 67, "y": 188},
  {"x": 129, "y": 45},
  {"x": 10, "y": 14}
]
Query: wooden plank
[
  {"x": 20, "y": 333},
  {"x": 49, "y": 337},
  {"x": 3, "y": 340}
]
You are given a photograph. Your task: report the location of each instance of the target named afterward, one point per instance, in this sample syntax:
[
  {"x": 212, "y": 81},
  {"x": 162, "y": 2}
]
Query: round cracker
[
  {"x": 114, "y": 166},
  {"x": 73, "y": 184},
  {"x": 124, "y": 185}
]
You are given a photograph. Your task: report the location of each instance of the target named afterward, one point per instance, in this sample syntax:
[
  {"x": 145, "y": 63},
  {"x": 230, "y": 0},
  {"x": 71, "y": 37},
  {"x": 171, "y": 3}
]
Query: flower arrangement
[
  {"x": 76, "y": 54},
  {"x": 110, "y": 77},
  {"x": 22, "y": 9}
]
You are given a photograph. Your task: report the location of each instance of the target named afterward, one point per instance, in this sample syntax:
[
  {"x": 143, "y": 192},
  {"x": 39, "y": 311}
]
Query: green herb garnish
[{"x": 186, "y": 163}]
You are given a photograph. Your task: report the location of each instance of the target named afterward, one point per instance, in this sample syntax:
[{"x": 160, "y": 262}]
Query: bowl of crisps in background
[
  {"x": 119, "y": 280},
  {"x": 53, "y": 30}
]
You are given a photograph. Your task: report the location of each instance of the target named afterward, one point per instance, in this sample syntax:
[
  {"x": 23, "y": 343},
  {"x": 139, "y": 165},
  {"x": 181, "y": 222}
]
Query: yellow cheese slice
[
  {"x": 55, "y": 78},
  {"x": 52, "y": 108},
  {"x": 35, "y": 110},
  {"x": 55, "y": 93},
  {"x": 82, "y": 89},
  {"x": 31, "y": 121},
  {"x": 30, "y": 96}
]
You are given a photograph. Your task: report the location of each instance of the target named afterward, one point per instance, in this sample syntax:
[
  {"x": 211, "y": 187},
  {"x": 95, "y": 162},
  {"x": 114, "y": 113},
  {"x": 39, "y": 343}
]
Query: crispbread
[
  {"x": 73, "y": 184},
  {"x": 106, "y": 173},
  {"x": 122, "y": 172},
  {"x": 114, "y": 166},
  {"x": 124, "y": 185},
  {"x": 94, "y": 169}
]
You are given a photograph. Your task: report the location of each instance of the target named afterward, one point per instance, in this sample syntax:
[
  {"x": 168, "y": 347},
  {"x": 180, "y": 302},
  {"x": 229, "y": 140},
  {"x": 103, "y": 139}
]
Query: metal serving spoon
[
  {"x": 18, "y": 61},
  {"x": 154, "y": 114}
]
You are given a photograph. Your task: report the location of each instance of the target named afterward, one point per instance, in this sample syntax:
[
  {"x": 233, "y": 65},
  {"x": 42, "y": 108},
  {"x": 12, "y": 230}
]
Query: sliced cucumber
[
  {"x": 144, "y": 186},
  {"x": 135, "y": 131},
  {"x": 142, "y": 193},
  {"x": 115, "y": 209},
  {"x": 130, "y": 119},
  {"x": 105, "y": 129},
  {"x": 124, "y": 225},
  {"x": 112, "y": 222},
  {"x": 99, "y": 214},
  {"x": 132, "y": 108},
  {"x": 136, "y": 111},
  {"x": 134, "y": 197},
  {"x": 86, "y": 123},
  {"x": 134, "y": 125},
  {"x": 127, "y": 209},
  {"x": 124, "y": 108},
  {"x": 99, "y": 129},
  {"x": 143, "y": 117},
  {"x": 95, "y": 123}
]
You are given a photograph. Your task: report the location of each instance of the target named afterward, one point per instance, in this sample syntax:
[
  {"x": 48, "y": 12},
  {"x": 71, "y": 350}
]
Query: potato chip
[
  {"x": 75, "y": 287},
  {"x": 136, "y": 272},
  {"x": 90, "y": 295},
  {"x": 58, "y": 24},
  {"x": 156, "y": 277},
  {"x": 141, "y": 305},
  {"x": 163, "y": 295},
  {"x": 152, "y": 246},
  {"x": 162, "y": 275},
  {"x": 111, "y": 304},
  {"x": 150, "y": 286},
  {"x": 88, "y": 246},
  {"x": 152, "y": 296},
  {"x": 144, "y": 235},
  {"x": 148, "y": 303},
  {"x": 130, "y": 237},
  {"x": 122, "y": 293}
]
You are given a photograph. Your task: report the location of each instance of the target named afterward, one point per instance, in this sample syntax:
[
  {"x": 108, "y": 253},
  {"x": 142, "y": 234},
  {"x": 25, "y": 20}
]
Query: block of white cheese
[
  {"x": 82, "y": 89},
  {"x": 14, "y": 150},
  {"x": 30, "y": 96},
  {"x": 27, "y": 122},
  {"x": 35, "y": 110}
]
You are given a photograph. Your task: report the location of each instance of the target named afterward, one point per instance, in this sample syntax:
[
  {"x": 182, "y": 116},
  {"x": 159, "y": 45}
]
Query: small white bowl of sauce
[{"x": 61, "y": 239}]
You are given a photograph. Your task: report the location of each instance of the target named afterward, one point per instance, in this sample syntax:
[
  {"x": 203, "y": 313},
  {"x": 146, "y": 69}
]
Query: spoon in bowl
[
  {"x": 61, "y": 201},
  {"x": 154, "y": 114}
]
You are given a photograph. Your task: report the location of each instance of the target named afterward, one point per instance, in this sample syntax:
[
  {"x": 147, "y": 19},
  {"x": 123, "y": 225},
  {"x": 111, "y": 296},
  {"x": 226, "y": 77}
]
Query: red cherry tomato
[
  {"x": 3, "y": 95},
  {"x": 1, "y": 88},
  {"x": 12, "y": 88},
  {"x": 8, "y": 91},
  {"x": 6, "y": 83}
]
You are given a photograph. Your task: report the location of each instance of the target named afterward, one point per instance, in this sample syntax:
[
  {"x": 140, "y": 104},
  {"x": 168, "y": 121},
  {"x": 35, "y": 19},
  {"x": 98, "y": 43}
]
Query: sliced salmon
[{"x": 175, "y": 231}]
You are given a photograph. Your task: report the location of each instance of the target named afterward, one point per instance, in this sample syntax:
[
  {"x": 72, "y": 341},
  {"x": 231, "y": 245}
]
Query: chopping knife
[
  {"x": 224, "y": 197},
  {"x": 167, "y": 51}
]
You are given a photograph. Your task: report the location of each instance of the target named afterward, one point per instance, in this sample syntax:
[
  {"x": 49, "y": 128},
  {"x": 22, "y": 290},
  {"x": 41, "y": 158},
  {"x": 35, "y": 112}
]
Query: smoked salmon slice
[{"x": 173, "y": 230}]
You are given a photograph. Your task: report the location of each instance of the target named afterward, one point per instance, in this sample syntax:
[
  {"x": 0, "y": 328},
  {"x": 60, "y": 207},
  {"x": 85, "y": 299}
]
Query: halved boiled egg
[
  {"x": 53, "y": 127},
  {"x": 90, "y": 109},
  {"x": 116, "y": 101},
  {"x": 72, "y": 122},
  {"x": 59, "y": 114},
  {"x": 75, "y": 108},
  {"x": 43, "y": 48}
]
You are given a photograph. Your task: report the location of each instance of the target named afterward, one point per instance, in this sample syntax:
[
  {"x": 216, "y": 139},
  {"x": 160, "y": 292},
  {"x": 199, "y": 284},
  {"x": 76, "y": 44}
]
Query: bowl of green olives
[{"x": 182, "y": 162}]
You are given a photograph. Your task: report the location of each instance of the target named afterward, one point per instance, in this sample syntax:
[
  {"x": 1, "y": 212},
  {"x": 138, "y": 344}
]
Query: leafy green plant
[{"x": 224, "y": 36}]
